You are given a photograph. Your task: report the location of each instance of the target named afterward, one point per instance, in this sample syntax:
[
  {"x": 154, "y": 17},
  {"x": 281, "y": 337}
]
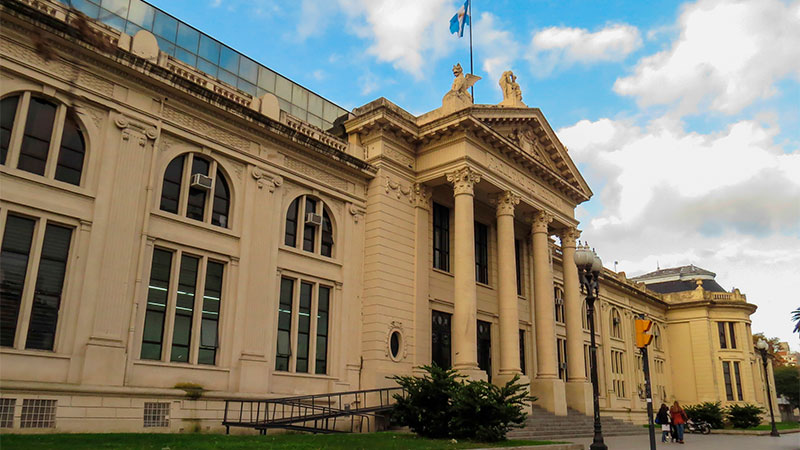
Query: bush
[
  {"x": 744, "y": 416},
  {"x": 710, "y": 412},
  {"x": 440, "y": 405}
]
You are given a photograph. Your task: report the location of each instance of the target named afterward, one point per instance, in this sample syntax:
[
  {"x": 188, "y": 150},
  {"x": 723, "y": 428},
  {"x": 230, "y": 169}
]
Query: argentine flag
[{"x": 460, "y": 20}]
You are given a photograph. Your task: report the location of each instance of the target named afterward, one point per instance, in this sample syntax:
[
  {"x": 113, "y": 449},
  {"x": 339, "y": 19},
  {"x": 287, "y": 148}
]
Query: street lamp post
[
  {"x": 589, "y": 268},
  {"x": 762, "y": 347}
]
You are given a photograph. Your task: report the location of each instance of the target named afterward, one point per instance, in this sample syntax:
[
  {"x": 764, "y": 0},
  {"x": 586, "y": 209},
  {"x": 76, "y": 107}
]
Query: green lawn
[
  {"x": 388, "y": 441},
  {"x": 778, "y": 425}
]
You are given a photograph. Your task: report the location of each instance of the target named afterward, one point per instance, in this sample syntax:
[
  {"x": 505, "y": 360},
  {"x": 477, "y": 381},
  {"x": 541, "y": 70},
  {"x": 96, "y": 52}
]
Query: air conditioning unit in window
[
  {"x": 313, "y": 219},
  {"x": 200, "y": 181}
]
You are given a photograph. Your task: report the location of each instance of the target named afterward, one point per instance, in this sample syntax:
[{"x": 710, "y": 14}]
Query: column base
[
  {"x": 550, "y": 394},
  {"x": 253, "y": 374},
  {"x": 104, "y": 363},
  {"x": 472, "y": 373},
  {"x": 579, "y": 397}
]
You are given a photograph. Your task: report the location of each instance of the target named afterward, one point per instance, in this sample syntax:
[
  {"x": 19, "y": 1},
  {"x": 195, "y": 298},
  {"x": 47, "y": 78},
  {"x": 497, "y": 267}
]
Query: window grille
[
  {"x": 38, "y": 413},
  {"x": 7, "y": 412},
  {"x": 156, "y": 414}
]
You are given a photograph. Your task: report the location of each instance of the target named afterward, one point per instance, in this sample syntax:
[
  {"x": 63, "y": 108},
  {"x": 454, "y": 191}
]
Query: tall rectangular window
[
  {"x": 290, "y": 236},
  {"x": 738, "y": 376},
  {"x": 561, "y": 353},
  {"x": 49, "y": 287},
  {"x": 323, "y": 303},
  {"x": 38, "y": 132},
  {"x": 618, "y": 372},
  {"x": 14, "y": 257},
  {"x": 726, "y": 373},
  {"x": 518, "y": 261},
  {"x": 441, "y": 237},
  {"x": 485, "y": 347},
  {"x": 309, "y": 230},
  {"x": 440, "y": 339},
  {"x": 723, "y": 342},
  {"x": 157, "y": 293},
  {"x": 522, "y": 351},
  {"x": 732, "y": 334},
  {"x": 481, "y": 253},
  {"x": 189, "y": 293},
  {"x": 209, "y": 322},
  {"x": 284, "y": 351},
  {"x": 303, "y": 327},
  {"x": 196, "y": 203}
]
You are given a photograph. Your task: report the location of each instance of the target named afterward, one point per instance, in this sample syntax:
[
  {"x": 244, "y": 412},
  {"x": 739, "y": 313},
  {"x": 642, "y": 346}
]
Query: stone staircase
[{"x": 544, "y": 425}]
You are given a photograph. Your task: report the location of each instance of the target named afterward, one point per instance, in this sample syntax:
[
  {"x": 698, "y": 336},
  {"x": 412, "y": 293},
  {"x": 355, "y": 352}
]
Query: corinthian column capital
[
  {"x": 569, "y": 236},
  {"x": 463, "y": 180},
  {"x": 541, "y": 220},
  {"x": 505, "y": 203}
]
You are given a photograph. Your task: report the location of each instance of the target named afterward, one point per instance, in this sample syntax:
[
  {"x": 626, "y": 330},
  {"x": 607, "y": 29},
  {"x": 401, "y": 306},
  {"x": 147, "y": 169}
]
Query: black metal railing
[{"x": 317, "y": 413}]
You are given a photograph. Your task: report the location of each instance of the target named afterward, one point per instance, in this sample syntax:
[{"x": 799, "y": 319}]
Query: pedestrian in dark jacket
[{"x": 662, "y": 418}]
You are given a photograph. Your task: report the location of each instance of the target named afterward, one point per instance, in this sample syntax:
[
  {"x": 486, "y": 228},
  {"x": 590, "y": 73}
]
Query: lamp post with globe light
[
  {"x": 589, "y": 268},
  {"x": 762, "y": 347}
]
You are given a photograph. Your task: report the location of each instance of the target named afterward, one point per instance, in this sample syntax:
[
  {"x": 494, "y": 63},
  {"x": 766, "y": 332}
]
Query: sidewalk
[{"x": 702, "y": 442}]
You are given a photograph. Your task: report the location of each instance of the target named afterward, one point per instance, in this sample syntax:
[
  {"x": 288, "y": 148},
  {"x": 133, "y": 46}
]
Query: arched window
[
  {"x": 615, "y": 324},
  {"x": 195, "y": 187},
  {"x": 316, "y": 233},
  {"x": 41, "y": 137},
  {"x": 558, "y": 295}
]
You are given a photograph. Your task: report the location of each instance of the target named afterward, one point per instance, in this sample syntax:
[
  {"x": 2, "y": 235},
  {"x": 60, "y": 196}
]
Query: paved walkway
[{"x": 701, "y": 442}]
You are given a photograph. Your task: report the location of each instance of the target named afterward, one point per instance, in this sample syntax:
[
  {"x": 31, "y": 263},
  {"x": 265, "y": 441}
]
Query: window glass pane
[
  {"x": 8, "y": 111},
  {"x": 165, "y": 26},
  {"x": 212, "y": 296},
  {"x": 299, "y": 112},
  {"x": 290, "y": 237},
  {"x": 157, "y": 293},
  {"x": 303, "y": 327},
  {"x": 86, "y": 7},
  {"x": 209, "y": 49},
  {"x": 327, "y": 235},
  {"x": 165, "y": 45},
  {"x": 315, "y": 104},
  {"x": 185, "y": 56},
  {"x": 207, "y": 67},
  {"x": 441, "y": 237},
  {"x": 323, "y": 305},
  {"x": 141, "y": 14},
  {"x": 70, "y": 156},
  {"x": 283, "y": 351},
  {"x": 732, "y": 334},
  {"x": 131, "y": 28},
  {"x": 726, "y": 372},
  {"x": 522, "y": 351},
  {"x": 118, "y": 7},
  {"x": 112, "y": 20},
  {"x": 723, "y": 342},
  {"x": 184, "y": 308},
  {"x": 309, "y": 230},
  {"x": 196, "y": 205},
  {"x": 227, "y": 77},
  {"x": 229, "y": 60},
  {"x": 38, "y": 131},
  {"x": 738, "y": 380},
  {"x": 219, "y": 210},
  {"x": 481, "y": 253},
  {"x": 171, "y": 187},
  {"x": 518, "y": 265},
  {"x": 330, "y": 112},
  {"x": 246, "y": 87},
  {"x": 266, "y": 79},
  {"x": 283, "y": 88},
  {"x": 300, "y": 97},
  {"x": 49, "y": 285},
  {"x": 188, "y": 37},
  {"x": 248, "y": 69},
  {"x": 13, "y": 269},
  {"x": 440, "y": 339}
]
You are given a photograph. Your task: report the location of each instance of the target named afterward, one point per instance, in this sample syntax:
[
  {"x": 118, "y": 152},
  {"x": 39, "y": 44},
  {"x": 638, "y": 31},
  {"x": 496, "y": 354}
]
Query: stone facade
[{"x": 215, "y": 245}]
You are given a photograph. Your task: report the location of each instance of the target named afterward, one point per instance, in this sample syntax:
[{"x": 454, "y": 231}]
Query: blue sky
[{"x": 682, "y": 116}]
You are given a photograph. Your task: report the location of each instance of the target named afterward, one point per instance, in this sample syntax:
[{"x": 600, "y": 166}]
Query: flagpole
[{"x": 471, "y": 70}]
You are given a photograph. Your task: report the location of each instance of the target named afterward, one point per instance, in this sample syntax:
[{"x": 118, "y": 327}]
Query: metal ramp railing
[{"x": 317, "y": 413}]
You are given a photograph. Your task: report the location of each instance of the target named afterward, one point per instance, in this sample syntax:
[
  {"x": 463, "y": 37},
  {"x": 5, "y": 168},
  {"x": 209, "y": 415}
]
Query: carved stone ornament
[
  {"x": 421, "y": 196},
  {"x": 463, "y": 180},
  {"x": 569, "y": 236},
  {"x": 399, "y": 190},
  {"x": 512, "y": 94},
  {"x": 458, "y": 96},
  {"x": 264, "y": 178},
  {"x": 505, "y": 203},
  {"x": 134, "y": 130},
  {"x": 541, "y": 220},
  {"x": 356, "y": 212}
]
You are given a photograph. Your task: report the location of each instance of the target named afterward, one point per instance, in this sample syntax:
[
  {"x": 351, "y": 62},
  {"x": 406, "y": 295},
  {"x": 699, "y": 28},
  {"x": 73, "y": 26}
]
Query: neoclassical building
[{"x": 176, "y": 214}]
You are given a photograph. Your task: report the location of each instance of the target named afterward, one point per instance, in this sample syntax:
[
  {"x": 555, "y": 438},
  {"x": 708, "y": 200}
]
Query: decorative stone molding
[
  {"x": 132, "y": 129},
  {"x": 316, "y": 174},
  {"x": 396, "y": 327},
  {"x": 264, "y": 178},
  {"x": 421, "y": 196},
  {"x": 397, "y": 189},
  {"x": 206, "y": 129},
  {"x": 505, "y": 203},
  {"x": 541, "y": 220},
  {"x": 356, "y": 212},
  {"x": 463, "y": 180},
  {"x": 569, "y": 236}
]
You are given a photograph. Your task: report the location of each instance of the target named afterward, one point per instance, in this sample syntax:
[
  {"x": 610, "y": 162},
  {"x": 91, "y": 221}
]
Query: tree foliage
[
  {"x": 440, "y": 404},
  {"x": 744, "y": 416},
  {"x": 710, "y": 412},
  {"x": 787, "y": 384}
]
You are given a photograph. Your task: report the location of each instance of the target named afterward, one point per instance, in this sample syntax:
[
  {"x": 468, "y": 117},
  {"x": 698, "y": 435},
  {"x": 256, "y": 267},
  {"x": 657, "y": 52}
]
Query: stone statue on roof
[
  {"x": 512, "y": 94},
  {"x": 459, "y": 96}
]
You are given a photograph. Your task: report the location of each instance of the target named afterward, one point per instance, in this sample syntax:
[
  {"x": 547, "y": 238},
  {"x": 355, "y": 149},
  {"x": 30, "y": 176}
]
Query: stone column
[
  {"x": 507, "y": 288},
  {"x": 464, "y": 331},
  {"x": 579, "y": 391},
  {"x": 547, "y": 386}
]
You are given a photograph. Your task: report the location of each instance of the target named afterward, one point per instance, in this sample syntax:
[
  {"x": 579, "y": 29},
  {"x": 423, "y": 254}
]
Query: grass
[
  {"x": 386, "y": 440},
  {"x": 778, "y": 425}
]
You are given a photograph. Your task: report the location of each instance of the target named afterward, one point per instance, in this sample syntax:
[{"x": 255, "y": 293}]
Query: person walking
[
  {"x": 662, "y": 418},
  {"x": 679, "y": 418}
]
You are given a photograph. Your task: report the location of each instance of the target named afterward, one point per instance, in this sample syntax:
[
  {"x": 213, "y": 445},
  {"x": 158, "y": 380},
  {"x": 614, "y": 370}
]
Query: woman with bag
[
  {"x": 662, "y": 418},
  {"x": 679, "y": 418}
]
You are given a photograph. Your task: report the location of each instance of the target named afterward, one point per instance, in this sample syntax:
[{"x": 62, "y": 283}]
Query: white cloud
[
  {"x": 314, "y": 18},
  {"x": 729, "y": 54},
  {"x": 497, "y": 48},
  {"x": 409, "y": 34},
  {"x": 561, "y": 47}
]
